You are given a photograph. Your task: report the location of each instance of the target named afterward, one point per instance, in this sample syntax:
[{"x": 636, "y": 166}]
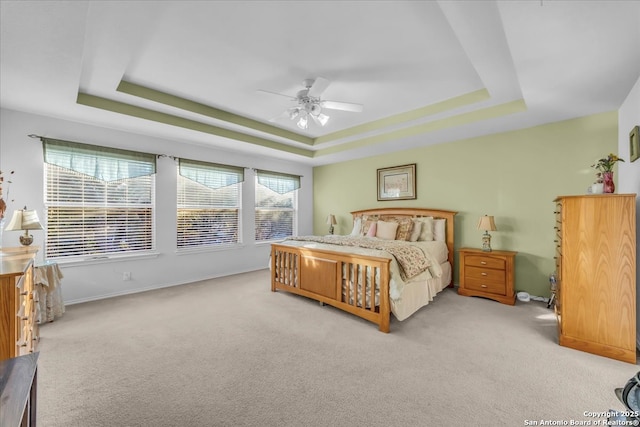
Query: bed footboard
[{"x": 356, "y": 284}]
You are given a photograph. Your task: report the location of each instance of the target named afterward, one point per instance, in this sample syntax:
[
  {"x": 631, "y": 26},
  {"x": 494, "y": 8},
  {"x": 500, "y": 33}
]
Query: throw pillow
[{"x": 386, "y": 230}]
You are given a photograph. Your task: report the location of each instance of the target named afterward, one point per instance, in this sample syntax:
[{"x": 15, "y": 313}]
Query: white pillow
[
  {"x": 386, "y": 230},
  {"x": 426, "y": 234},
  {"x": 417, "y": 229},
  {"x": 439, "y": 230},
  {"x": 357, "y": 226}
]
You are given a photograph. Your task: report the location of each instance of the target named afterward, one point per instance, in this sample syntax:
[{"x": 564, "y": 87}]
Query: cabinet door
[{"x": 598, "y": 287}]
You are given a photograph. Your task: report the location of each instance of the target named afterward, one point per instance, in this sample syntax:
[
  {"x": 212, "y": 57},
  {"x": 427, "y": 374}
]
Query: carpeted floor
[{"x": 229, "y": 352}]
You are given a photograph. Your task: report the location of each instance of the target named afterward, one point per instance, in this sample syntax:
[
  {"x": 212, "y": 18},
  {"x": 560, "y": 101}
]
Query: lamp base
[
  {"x": 26, "y": 239},
  {"x": 486, "y": 242},
  {"x": 331, "y": 229}
]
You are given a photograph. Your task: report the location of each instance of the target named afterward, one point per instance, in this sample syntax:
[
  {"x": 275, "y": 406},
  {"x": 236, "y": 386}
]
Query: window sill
[
  {"x": 81, "y": 262},
  {"x": 203, "y": 249}
]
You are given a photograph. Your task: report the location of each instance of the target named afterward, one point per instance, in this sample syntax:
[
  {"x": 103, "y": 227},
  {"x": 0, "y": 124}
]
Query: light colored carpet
[{"x": 229, "y": 352}]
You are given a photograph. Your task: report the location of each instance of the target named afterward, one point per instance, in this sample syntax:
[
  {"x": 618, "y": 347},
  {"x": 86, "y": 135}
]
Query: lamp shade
[
  {"x": 487, "y": 223},
  {"x": 24, "y": 219},
  {"x": 331, "y": 220}
]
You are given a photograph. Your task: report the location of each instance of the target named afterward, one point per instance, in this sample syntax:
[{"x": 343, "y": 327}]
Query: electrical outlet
[{"x": 126, "y": 276}]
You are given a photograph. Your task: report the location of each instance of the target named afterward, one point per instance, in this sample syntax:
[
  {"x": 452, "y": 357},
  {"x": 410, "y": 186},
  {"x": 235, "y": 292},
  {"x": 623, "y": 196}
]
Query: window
[
  {"x": 99, "y": 201},
  {"x": 208, "y": 204},
  {"x": 276, "y": 205}
]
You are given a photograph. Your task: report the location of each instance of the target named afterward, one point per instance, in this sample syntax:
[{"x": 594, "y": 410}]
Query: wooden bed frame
[{"x": 317, "y": 273}]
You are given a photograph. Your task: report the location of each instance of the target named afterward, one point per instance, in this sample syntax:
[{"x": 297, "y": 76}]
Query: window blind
[
  {"x": 275, "y": 205},
  {"x": 98, "y": 202},
  {"x": 208, "y": 204}
]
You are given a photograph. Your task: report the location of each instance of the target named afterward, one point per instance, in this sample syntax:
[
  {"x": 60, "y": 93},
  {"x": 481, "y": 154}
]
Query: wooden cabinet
[
  {"x": 19, "y": 391},
  {"x": 18, "y": 303},
  {"x": 487, "y": 274},
  {"x": 596, "y": 274}
]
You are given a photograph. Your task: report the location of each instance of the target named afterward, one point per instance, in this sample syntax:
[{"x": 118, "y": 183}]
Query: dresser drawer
[
  {"x": 484, "y": 261},
  {"x": 476, "y": 284},
  {"x": 486, "y": 274}
]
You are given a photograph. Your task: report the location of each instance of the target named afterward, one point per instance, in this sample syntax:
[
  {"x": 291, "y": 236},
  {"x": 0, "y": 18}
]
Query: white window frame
[
  {"x": 278, "y": 184},
  {"x": 93, "y": 182},
  {"x": 206, "y": 185}
]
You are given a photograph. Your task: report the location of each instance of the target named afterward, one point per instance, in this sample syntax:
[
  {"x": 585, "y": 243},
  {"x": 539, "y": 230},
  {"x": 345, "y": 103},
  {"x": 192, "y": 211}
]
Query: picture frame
[
  {"x": 634, "y": 144},
  {"x": 397, "y": 183}
]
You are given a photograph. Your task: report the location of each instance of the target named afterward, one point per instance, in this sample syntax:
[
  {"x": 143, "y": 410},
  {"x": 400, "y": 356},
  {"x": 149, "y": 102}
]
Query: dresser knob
[
  {"x": 483, "y": 262},
  {"x": 484, "y": 274},
  {"x": 484, "y": 286}
]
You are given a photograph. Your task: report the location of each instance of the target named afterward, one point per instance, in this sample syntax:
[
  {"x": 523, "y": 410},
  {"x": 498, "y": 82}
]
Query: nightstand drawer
[
  {"x": 486, "y": 274},
  {"x": 475, "y": 284},
  {"x": 484, "y": 261}
]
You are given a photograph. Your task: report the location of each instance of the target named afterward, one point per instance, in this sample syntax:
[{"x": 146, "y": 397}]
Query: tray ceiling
[{"x": 425, "y": 72}]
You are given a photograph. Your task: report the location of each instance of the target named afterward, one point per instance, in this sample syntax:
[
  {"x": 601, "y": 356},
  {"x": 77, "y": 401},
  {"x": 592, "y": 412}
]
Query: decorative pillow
[
  {"x": 405, "y": 225},
  {"x": 439, "y": 230},
  {"x": 386, "y": 230},
  {"x": 367, "y": 220},
  {"x": 417, "y": 229},
  {"x": 357, "y": 227},
  {"x": 371, "y": 232},
  {"x": 426, "y": 235}
]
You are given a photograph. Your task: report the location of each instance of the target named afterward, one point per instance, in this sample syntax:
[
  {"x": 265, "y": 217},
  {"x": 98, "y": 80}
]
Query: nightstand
[{"x": 487, "y": 274}]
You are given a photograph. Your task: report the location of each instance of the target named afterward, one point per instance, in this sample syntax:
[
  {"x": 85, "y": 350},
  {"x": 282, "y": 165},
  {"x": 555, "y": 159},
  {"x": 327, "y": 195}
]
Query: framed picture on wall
[
  {"x": 397, "y": 183},
  {"x": 634, "y": 144}
]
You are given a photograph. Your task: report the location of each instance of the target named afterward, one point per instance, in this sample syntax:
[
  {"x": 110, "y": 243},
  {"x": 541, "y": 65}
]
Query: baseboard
[{"x": 155, "y": 287}]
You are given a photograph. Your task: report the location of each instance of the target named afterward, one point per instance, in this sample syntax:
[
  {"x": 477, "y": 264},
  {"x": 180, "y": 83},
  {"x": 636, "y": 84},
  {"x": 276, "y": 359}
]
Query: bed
[{"x": 395, "y": 260}]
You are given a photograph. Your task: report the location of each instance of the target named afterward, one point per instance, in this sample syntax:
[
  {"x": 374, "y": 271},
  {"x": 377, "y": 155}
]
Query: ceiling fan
[{"x": 310, "y": 107}]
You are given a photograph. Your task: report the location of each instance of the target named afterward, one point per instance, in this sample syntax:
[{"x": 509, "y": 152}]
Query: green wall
[{"x": 513, "y": 176}]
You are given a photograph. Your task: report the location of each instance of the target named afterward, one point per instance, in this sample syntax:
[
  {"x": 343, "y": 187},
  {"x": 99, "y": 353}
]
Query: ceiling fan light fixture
[
  {"x": 294, "y": 113},
  {"x": 303, "y": 122},
  {"x": 323, "y": 119},
  {"x": 315, "y": 109},
  {"x": 310, "y": 105}
]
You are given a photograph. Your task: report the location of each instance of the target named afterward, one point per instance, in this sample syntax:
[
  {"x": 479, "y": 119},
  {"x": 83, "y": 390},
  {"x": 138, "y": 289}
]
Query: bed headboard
[{"x": 418, "y": 212}]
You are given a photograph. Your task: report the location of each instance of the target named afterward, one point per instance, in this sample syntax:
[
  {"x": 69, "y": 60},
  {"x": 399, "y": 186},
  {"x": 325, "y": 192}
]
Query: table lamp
[
  {"x": 26, "y": 220},
  {"x": 331, "y": 221},
  {"x": 487, "y": 224}
]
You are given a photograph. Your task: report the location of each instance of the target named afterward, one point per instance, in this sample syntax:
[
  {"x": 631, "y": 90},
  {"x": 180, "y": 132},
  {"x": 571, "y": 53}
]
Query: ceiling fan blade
[
  {"x": 318, "y": 86},
  {"x": 344, "y": 106},
  {"x": 284, "y": 115},
  {"x": 292, "y": 98}
]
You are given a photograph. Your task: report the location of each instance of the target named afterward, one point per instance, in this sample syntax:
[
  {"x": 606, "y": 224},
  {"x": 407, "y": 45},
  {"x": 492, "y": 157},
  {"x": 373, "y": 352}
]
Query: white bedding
[{"x": 419, "y": 293}]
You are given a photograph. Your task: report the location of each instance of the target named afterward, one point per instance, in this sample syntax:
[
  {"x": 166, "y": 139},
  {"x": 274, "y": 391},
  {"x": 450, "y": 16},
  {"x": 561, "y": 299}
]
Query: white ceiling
[{"x": 426, "y": 72}]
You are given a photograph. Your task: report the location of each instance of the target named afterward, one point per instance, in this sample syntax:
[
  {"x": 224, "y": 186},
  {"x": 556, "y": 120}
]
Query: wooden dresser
[
  {"x": 596, "y": 274},
  {"x": 18, "y": 302},
  {"x": 487, "y": 274}
]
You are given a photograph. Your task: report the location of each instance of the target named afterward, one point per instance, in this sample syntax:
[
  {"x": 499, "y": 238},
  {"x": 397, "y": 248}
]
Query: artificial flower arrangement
[
  {"x": 604, "y": 176},
  {"x": 3, "y": 204},
  {"x": 606, "y": 164}
]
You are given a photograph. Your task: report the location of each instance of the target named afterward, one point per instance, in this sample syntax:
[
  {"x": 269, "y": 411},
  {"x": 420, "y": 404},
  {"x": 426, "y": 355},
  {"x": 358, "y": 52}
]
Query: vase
[
  {"x": 597, "y": 188},
  {"x": 609, "y": 186}
]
